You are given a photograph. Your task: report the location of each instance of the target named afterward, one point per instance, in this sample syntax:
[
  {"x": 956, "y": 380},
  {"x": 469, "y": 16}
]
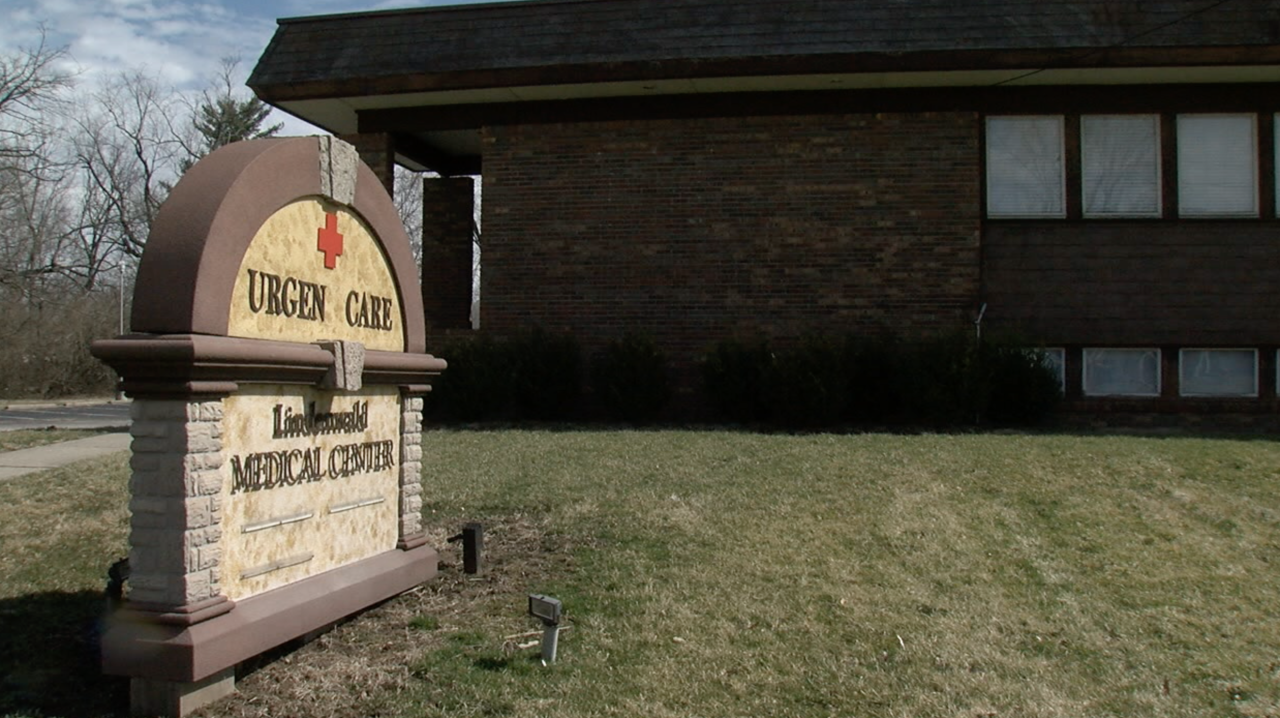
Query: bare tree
[
  {"x": 33, "y": 211},
  {"x": 29, "y": 83},
  {"x": 32, "y": 170},
  {"x": 77, "y": 193},
  {"x": 128, "y": 151},
  {"x": 408, "y": 200}
]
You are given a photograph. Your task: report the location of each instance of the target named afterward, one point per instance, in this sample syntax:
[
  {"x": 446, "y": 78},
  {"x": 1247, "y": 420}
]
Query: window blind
[
  {"x": 1217, "y": 166},
  {"x": 1120, "y": 165},
  {"x": 1024, "y": 167},
  {"x": 1121, "y": 372},
  {"x": 1218, "y": 372}
]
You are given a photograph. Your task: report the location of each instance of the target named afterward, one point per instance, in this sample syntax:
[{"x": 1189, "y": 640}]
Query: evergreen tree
[{"x": 222, "y": 117}]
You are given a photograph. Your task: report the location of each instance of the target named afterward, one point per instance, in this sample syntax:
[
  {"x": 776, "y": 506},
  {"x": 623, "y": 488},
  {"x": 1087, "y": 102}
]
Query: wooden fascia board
[
  {"x": 870, "y": 62},
  {"x": 1083, "y": 98}
]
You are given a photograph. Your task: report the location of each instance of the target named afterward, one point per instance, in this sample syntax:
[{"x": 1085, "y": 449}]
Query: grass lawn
[{"x": 714, "y": 573}]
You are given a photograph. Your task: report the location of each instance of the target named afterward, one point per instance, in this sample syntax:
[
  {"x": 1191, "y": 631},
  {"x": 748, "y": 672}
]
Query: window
[
  {"x": 1122, "y": 372},
  {"x": 1218, "y": 372},
  {"x": 1055, "y": 360},
  {"x": 1025, "y": 167},
  {"x": 1120, "y": 165},
  {"x": 1217, "y": 166}
]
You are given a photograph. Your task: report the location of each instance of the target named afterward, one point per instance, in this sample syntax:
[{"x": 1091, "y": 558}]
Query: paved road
[{"x": 79, "y": 416}]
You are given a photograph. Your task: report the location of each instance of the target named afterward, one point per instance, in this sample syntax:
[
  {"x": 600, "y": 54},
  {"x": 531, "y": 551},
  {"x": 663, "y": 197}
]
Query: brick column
[
  {"x": 378, "y": 150},
  {"x": 448, "y": 205},
  {"x": 176, "y": 505},
  {"x": 411, "y": 533}
]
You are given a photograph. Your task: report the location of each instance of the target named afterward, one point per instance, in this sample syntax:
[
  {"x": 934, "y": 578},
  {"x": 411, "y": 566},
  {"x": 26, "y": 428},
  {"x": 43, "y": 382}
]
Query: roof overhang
[{"x": 436, "y": 117}]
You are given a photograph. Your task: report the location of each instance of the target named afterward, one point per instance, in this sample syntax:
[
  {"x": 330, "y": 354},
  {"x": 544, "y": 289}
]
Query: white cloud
[{"x": 180, "y": 42}]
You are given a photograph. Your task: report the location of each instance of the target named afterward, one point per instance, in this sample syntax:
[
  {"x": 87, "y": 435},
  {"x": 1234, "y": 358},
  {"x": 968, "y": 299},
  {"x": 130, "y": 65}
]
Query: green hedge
[
  {"x": 949, "y": 381},
  {"x": 478, "y": 384},
  {"x": 548, "y": 375},
  {"x": 820, "y": 381},
  {"x": 736, "y": 375},
  {"x": 630, "y": 379},
  {"x": 537, "y": 375}
]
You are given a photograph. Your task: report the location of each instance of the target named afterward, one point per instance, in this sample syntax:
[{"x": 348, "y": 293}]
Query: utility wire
[{"x": 1126, "y": 41}]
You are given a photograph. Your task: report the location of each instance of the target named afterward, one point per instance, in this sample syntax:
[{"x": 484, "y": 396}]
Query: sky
[{"x": 180, "y": 41}]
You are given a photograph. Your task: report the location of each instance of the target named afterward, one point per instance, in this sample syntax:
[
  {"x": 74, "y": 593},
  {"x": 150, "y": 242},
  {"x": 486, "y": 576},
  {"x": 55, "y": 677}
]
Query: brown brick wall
[
  {"x": 447, "y": 204},
  {"x": 695, "y": 230},
  {"x": 1196, "y": 283},
  {"x": 376, "y": 149}
]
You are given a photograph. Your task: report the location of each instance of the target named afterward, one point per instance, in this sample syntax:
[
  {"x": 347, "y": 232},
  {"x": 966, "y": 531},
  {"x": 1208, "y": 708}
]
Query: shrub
[
  {"x": 630, "y": 379},
  {"x": 948, "y": 381},
  {"x": 548, "y": 375},
  {"x": 944, "y": 382},
  {"x": 44, "y": 343},
  {"x": 736, "y": 376},
  {"x": 478, "y": 384},
  {"x": 958, "y": 380},
  {"x": 1024, "y": 390},
  {"x": 875, "y": 380},
  {"x": 809, "y": 384}
]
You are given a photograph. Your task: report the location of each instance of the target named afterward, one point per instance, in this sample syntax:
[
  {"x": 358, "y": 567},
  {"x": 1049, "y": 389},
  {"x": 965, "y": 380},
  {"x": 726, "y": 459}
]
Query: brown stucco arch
[{"x": 200, "y": 236}]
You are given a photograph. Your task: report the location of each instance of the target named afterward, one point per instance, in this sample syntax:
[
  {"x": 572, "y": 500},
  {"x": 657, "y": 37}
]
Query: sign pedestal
[
  {"x": 149, "y": 697},
  {"x": 277, "y": 374}
]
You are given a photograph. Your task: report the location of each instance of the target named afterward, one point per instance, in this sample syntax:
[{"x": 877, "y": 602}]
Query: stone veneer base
[
  {"x": 134, "y": 646},
  {"x": 166, "y": 698}
]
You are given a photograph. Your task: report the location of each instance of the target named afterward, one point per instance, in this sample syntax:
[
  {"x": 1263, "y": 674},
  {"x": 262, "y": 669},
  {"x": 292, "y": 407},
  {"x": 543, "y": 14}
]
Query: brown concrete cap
[
  {"x": 199, "y": 239},
  {"x": 137, "y": 645}
]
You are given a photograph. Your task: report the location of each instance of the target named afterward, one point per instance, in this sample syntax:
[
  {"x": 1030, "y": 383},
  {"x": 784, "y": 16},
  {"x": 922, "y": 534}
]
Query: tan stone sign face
[
  {"x": 314, "y": 271},
  {"x": 277, "y": 368},
  {"x": 311, "y": 484}
]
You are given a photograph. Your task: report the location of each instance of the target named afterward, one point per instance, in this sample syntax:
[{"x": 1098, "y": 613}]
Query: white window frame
[
  {"x": 1182, "y": 198},
  {"x": 1061, "y": 213},
  {"x": 1087, "y": 362},
  {"x": 1158, "y": 179},
  {"x": 1182, "y": 371}
]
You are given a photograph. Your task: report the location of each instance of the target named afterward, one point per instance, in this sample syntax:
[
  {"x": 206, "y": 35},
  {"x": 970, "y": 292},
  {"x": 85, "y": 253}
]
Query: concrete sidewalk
[{"x": 51, "y": 456}]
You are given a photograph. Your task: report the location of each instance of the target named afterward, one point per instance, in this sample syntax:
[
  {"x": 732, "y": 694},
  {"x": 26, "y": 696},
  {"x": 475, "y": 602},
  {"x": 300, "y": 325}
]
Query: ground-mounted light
[{"x": 548, "y": 610}]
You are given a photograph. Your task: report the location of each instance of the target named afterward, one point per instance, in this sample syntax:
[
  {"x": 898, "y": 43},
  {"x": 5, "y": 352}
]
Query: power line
[{"x": 1125, "y": 41}]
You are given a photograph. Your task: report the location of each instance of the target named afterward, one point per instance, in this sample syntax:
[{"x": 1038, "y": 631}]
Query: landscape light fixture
[
  {"x": 547, "y": 610},
  {"x": 472, "y": 538}
]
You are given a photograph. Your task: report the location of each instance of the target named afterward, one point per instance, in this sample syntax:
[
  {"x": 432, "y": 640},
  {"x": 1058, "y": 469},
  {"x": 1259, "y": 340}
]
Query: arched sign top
[{"x": 282, "y": 239}]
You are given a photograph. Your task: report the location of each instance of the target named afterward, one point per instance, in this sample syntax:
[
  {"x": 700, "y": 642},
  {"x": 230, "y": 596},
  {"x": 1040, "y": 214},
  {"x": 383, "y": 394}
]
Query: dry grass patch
[
  {"x": 373, "y": 665},
  {"x": 61, "y": 530},
  {"x": 737, "y": 574},
  {"x": 727, "y": 574}
]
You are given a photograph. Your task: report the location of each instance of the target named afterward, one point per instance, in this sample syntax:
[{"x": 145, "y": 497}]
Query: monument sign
[{"x": 277, "y": 369}]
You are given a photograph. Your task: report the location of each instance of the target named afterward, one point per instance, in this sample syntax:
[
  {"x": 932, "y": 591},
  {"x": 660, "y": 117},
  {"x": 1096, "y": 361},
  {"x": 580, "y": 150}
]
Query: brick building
[{"x": 1099, "y": 175}]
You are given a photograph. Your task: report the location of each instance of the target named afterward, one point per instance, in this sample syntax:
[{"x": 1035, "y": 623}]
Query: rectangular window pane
[
  {"x": 1024, "y": 167},
  {"x": 1217, "y": 166},
  {"x": 1218, "y": 372},
  {"x": 1120, "y": 158},
  {"x": 1122, "y": 372}
]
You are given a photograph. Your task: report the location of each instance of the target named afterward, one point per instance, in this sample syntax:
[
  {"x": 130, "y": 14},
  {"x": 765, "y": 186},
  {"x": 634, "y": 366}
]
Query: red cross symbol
[{"x": 329, "y": 241}]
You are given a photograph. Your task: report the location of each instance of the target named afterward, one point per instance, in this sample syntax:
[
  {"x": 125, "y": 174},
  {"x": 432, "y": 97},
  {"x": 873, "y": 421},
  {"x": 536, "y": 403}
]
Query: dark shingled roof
[{"x": 486, "y": 42}]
